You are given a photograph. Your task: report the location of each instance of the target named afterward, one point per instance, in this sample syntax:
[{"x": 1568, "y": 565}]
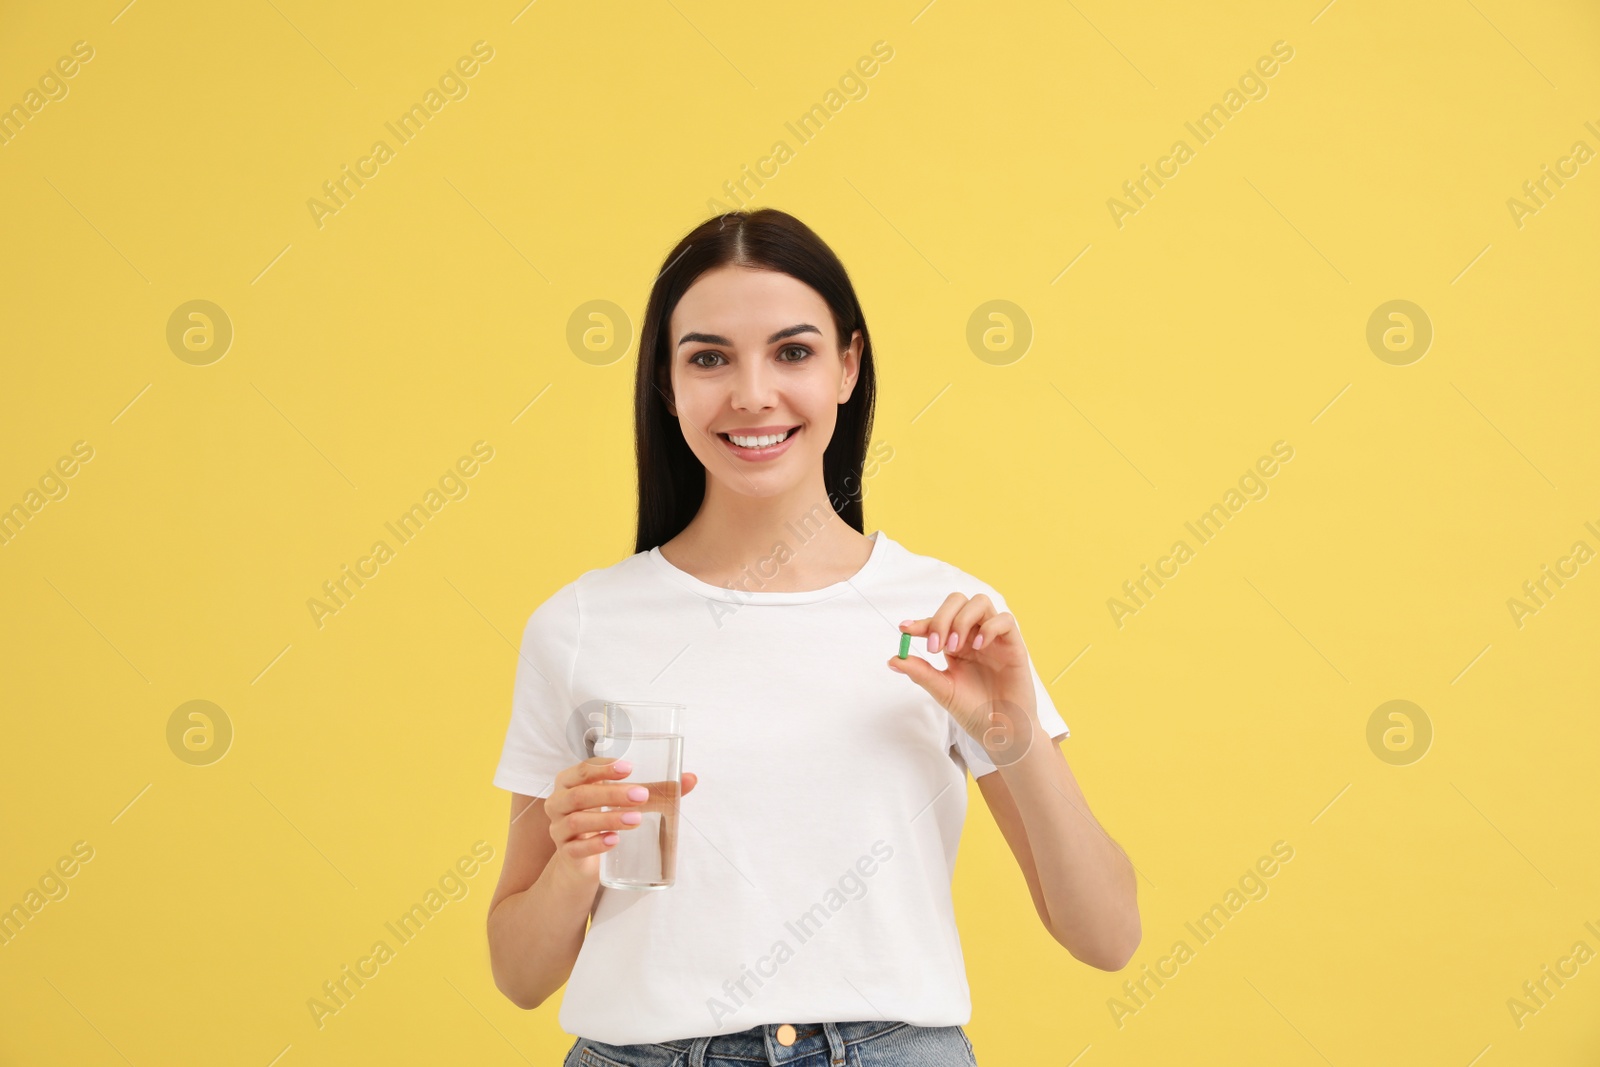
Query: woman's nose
[{"x": 754, "y": 387}]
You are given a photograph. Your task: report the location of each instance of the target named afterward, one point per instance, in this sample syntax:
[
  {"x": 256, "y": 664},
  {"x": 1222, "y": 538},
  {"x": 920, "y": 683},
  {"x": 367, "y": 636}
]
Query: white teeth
[{"x": 759, "y": 442}]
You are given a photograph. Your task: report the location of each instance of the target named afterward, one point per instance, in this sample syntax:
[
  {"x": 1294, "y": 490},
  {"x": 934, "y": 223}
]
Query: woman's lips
[{"x": 757, "y": 455}]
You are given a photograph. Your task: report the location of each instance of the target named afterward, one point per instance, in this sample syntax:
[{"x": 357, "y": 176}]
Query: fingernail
[
  {"x": 933, "y": 642},
  {"x": 631, "y": 818},
  {"x": 977, "y": 642},
  {"x": 955, "y": 639},
  {"x": 638, "y": 792},
  {"x": 905, "y": 622},
  {"x": 623, "y": 766}
]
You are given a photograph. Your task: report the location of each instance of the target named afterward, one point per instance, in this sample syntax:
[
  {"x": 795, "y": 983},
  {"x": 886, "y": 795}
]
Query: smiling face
[{"x": 758, "y": 377}]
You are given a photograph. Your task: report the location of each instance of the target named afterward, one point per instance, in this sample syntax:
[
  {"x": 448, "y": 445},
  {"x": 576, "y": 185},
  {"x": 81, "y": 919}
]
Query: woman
[{"x": 811, "y": 920}]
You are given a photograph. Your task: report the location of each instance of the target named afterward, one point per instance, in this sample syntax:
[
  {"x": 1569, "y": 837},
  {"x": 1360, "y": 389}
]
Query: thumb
[{"x": 925, "y": 674}]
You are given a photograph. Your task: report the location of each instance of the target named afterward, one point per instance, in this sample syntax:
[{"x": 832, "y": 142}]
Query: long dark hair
[{"x": 672, "y": 481}]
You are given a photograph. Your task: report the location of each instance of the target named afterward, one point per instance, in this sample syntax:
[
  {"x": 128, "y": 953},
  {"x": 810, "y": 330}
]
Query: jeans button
[{"x": 786, "y": 1035}]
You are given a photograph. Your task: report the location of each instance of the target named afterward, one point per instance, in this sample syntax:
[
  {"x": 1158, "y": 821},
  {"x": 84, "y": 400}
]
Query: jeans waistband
[{"x": 760, "y": 1044}]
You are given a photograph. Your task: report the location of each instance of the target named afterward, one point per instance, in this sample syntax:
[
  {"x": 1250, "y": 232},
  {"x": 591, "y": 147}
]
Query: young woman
[{"x": 811, "y": 919}]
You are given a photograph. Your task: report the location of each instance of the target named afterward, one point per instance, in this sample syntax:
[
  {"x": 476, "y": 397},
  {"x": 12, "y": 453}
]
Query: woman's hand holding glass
[{"x": 581, "y": 831}]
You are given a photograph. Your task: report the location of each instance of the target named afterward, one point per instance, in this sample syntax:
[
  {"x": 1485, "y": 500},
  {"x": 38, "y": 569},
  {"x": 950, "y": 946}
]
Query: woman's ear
[{"x": 850, "y": 366}]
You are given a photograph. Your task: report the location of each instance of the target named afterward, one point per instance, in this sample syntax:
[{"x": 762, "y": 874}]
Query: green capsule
[{"x": 905, "y": 645}]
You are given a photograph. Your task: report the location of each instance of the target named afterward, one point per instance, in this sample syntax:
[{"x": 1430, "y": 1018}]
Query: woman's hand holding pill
[
  {"x": 987, "y": 680},
  {"x": 580, "y": 830}
]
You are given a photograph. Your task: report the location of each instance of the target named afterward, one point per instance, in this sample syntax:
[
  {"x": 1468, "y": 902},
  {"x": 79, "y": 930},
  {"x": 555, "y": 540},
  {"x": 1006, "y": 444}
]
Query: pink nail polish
[
  {"x": 933, "y": 642},
  {"x": 955, "y": 640},
  {"x": 977, "y": 642}
]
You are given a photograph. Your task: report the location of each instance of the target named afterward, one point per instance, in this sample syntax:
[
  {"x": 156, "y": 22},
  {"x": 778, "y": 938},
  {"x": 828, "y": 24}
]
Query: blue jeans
[{"x": 858, "y": 1044}]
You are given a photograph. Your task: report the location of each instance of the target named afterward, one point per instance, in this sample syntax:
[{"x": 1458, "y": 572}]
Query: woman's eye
[{"x": 707, "y": 358}]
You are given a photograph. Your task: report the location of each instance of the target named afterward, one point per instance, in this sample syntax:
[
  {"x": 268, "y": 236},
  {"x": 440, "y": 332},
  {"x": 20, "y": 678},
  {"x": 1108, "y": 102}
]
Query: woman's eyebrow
[{"x": 716, "y": 339}]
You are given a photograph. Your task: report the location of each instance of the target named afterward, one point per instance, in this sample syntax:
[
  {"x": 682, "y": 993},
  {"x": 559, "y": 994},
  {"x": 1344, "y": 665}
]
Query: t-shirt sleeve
[
  {"x": 538, "y": 743},
  {"x": 965, "y": 749}
]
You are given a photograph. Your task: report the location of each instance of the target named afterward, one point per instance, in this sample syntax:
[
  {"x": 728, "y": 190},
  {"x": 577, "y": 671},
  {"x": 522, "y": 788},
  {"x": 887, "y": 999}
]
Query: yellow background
[{"x": 1229, "y": 313}]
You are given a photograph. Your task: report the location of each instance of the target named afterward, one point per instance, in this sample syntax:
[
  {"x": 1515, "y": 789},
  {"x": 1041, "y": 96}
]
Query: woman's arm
[
  {"x": 540, "y": 910},
  {"x": 1082, "y": 883},
  {"x": 1079, "y": 877},
  {"x": 549, "y": 886}
]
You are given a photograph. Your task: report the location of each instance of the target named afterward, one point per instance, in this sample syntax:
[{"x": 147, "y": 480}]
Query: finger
[
  {"x": 915, "y": 628},
  {"x": 585, "y": 771},
  {"x": 580, "y": 847},
  {"x": 608, "y": 794},
  {"x": 936, "y": 682},
  {"x": 993, "y": 629},
  {"x": 582, "y": 823},
  {"x": 939, "y": 623},
  {"x": 971, "y": 614},
  {"x": 593, "y": 770},
  {"x": 689, "y": 780}
]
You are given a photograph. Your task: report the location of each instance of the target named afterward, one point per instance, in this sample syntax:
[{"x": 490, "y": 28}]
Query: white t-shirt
[{"x": 816, "y": 852}]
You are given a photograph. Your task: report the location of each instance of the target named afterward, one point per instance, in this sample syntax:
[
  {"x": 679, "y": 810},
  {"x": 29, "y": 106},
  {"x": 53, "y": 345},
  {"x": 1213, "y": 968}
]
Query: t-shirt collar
[{"x": 750, "y": 589}]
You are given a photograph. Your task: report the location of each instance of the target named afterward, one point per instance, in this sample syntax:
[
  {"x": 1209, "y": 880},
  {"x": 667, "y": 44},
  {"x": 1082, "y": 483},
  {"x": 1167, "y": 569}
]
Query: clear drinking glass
[{"x": 646, "y": 734}]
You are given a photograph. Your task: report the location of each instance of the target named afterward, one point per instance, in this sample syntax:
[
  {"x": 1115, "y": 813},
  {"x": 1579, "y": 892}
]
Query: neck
[{"x": 734, "y": 531}]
